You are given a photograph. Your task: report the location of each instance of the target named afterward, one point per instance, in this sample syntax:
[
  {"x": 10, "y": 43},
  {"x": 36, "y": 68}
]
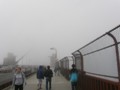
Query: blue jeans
[{"x": 48, "y": 83}]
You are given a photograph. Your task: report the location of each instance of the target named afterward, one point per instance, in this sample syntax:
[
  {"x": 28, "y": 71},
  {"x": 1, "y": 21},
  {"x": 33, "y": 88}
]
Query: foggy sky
[{"x": 67, "y": 25}]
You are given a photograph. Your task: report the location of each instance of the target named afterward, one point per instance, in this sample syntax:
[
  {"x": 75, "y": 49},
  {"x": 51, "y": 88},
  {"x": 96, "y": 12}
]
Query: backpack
[
  {"x": 74, "y": 77},
  {"x": 49, "y": 73}
]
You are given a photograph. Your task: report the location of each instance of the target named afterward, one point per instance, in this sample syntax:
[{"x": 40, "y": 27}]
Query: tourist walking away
[
  {"x": 19, "y": 79},
  {"x": 40, "y": 76},
  {"x": 74, "y": 77},
  {"x": 58, "y": 70},
  {"x": 55, "y": 70},
  {"x": 48, "y": 75}
]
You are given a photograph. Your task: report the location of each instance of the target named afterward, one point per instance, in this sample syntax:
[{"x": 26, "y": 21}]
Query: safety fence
[{"x": 98, "y": 63}]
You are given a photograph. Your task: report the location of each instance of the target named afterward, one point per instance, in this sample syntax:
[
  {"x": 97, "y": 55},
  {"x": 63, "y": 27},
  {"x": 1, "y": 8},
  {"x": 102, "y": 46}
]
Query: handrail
[{"x": 102, "y": 75}]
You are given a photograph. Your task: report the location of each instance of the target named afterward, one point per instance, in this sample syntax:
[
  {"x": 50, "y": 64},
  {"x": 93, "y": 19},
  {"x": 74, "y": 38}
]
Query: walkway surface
[{"x": 58, "y": 83}]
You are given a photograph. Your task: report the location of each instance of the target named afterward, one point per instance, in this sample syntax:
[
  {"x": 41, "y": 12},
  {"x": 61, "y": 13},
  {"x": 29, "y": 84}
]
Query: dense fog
[{"x": 35, "y": 26}]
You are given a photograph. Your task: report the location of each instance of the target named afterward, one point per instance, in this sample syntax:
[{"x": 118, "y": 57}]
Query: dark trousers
[
  {"x": 74, "y": 85},
  {"x": 19, "y": 87},
  {"x": 48, "y": 83}
]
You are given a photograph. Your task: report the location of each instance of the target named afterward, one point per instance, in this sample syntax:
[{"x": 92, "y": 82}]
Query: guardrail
[
  {"x": 104, "y": 53},
  {"x": 98, "y": 63},
  {"x": 87, "y": 82}
]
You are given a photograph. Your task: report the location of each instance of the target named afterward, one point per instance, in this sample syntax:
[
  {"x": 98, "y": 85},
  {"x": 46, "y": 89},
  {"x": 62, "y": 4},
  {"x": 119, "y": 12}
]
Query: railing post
[
  {"x": 82, "y": 70},
  {"x": 82, "y": 73},
  {"x": 73, "y": 59},
  {"x": 82, "y": 62},
  {"x": 117, "y": 53}
]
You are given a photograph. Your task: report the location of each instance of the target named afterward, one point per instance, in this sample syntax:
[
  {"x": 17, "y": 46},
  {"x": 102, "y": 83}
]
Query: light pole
[
  {"x": 55, "y": 56},
  {"x": 55, "y": 52}
]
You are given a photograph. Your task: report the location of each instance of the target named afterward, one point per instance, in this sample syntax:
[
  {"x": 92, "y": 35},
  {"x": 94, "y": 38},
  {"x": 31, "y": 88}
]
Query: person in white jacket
[{"x": 19, "y": 79}]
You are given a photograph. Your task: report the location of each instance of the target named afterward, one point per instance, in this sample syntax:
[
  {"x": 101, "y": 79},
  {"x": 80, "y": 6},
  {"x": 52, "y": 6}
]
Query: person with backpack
[
  {"x": 40, "y": 76},
  {"x": 19, "y": 79},
  {"x": 48, "y": 75},
  {"x": 73, "y": 77}
]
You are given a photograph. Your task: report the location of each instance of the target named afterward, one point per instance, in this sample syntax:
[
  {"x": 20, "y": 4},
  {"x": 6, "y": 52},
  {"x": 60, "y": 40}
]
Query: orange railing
[{"x": 87, "y": 82}]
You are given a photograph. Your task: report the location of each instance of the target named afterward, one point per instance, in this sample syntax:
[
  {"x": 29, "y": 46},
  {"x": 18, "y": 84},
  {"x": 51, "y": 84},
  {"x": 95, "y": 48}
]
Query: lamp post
[
  {"x": 55, "y": 56},
  {"x": 55, "y": 52}
]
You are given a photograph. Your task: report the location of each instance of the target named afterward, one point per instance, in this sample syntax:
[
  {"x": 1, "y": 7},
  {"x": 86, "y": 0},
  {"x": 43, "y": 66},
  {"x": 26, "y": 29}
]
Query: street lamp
[
  {"x": 54, "y": 57},
  {"x": 55, "y": 52}
]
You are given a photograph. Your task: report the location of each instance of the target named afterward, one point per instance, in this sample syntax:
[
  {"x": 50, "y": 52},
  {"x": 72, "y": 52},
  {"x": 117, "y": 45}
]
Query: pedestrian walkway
[{"x": 58, "y": 83}]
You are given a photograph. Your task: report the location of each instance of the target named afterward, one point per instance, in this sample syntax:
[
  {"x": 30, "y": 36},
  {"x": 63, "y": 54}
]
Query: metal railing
[
  {"x": 7, "y": 82},
  {"x": 64, "y": 65},
  {"x": 105, "y": 49}
]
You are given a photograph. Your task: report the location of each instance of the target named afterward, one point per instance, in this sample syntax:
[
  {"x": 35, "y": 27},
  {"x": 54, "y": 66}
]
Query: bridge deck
[{"x": 58, "y": 83}]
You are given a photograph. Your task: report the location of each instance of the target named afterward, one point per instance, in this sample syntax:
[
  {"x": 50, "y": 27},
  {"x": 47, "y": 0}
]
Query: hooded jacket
[{"x": 40, "y": 73}]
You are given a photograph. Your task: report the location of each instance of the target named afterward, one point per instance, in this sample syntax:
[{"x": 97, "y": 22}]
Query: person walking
[
  {"x": 48, "y": 75},
  {"x": 40, "y": 76},
  {"x": 55, "y": 70},
  {"x": 74, "y": 77},
  {"x": 19, "y": 79}
]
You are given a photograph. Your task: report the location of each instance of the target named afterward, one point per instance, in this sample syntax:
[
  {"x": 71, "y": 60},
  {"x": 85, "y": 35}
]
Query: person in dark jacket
[
  {"x": 40, "y": 76},
  {"x": 48, "y": 75}
]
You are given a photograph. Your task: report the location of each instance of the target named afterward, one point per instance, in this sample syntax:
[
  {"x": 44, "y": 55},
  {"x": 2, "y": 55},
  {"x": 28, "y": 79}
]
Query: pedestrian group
[{"x": 19, "y": 79}]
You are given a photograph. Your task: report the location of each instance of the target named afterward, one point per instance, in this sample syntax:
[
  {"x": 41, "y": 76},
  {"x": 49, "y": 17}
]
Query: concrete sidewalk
[{"x": 58, "y": 83}]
